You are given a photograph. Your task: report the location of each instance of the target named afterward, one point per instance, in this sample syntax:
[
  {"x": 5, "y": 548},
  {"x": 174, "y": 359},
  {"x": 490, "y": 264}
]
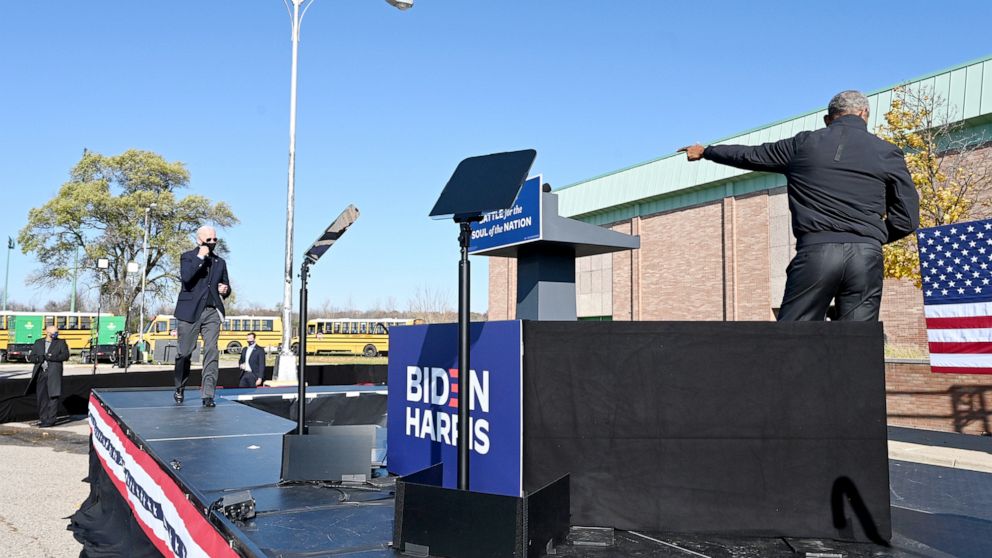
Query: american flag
[{"x": 956, "y": 267}]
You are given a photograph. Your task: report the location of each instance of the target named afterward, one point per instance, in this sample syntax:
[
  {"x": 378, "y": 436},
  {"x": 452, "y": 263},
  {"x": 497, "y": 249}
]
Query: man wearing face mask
[
  {"x": 48, "y": 354},
  {"x": 252, "y": 364},
  {"x": 200, "y": 311}
]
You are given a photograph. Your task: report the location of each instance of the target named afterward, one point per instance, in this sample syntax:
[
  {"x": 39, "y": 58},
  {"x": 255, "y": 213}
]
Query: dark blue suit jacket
[
  {"x": 198, "y": 285},
  {"x": 256, "y": 361}
]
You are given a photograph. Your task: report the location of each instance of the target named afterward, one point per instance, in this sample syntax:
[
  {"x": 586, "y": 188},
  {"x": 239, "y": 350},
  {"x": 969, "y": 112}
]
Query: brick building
[{"x": 715, "y": 241}]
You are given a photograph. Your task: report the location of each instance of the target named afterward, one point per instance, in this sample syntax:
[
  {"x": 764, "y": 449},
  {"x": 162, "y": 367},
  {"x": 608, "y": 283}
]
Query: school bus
[
  {"x": 3, "y": 335},
  {"x": 267, "y": 330},
  {"x": 19, "y": 330},
  {"x": 352, "y": 336}
]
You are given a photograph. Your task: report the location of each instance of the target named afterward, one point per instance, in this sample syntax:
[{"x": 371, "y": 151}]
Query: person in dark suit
[
  {"x": 252, "y": 364},
  {"x": 200, "y": 311},
  {"x": 48, "y": 354}
]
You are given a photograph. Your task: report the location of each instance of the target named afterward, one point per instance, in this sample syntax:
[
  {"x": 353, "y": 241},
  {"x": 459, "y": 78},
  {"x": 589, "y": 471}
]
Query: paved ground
[
  {"x": 12, "y": 370},
  {"x": 40, "y": 485},
  {"x": 41, "y": 473}
]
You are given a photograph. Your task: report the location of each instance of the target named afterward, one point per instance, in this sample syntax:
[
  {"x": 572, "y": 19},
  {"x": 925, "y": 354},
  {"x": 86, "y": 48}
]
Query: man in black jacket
[
  {"x": 200, "y": 311},
  {"x": 252, "y": 364},
  {"x": 849, "y": 193},
  {"x": 48, "y": 354}
]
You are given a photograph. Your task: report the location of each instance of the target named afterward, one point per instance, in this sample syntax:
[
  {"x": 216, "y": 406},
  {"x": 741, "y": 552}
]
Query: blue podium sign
[
  {"x": 515, "y": 225},
  {"x": 424, "y": 382}
]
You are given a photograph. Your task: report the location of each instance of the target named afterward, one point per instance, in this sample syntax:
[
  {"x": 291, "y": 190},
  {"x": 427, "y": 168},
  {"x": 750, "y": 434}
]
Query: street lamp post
[
  {"x": 144, "y": 273},
  {"x": 102, "y": 263},
  {"x": 286, "y": 366},
  {"x": 6, "y": 278},
  {"x": 132, "y": 267}
]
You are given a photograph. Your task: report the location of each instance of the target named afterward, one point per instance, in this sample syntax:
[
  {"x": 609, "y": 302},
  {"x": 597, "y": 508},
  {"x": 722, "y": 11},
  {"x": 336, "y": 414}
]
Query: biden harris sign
[{"x": 424, "y": 382}]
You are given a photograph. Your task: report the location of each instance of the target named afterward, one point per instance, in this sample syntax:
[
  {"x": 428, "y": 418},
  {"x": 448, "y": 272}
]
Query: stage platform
[{"x": 186, "y": 458}]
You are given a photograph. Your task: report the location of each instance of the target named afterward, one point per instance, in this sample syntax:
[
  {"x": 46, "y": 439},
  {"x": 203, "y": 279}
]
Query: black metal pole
[
  {"x": 464, "y": 374},
  {"x": 96, "y": 339},
  {"x": 302, "y": 369}
]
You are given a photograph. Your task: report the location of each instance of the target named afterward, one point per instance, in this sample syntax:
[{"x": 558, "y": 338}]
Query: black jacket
[
  {"x": 845, "y": 184},
  {"x": 256, "y": 362},
  {"x": 58, "y": 352},
  {"x": 198, "y": 285}
]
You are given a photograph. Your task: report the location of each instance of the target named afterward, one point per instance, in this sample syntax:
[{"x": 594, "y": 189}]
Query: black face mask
[{"x": 210, "y": 246}]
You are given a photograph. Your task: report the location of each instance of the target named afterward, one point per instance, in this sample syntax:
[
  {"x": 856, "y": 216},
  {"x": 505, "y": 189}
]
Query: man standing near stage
[
  {"x": 200, "y": 311},
  {"x": 48, "y": 354},
  {"x": 849, "y": 193},
  {"x": 252, "y": 364}
]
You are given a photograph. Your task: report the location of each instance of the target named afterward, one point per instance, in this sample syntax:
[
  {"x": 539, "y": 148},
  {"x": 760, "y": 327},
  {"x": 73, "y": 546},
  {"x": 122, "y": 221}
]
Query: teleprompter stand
[
  {"x": 308, "y": 457},
  {"x": 437, "y": 521}
]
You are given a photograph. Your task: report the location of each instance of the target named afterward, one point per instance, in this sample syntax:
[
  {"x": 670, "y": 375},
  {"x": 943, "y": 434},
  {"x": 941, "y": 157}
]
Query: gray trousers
[
  {"x": 207, "y": 325},
  {"x": 850, "y": 274}
]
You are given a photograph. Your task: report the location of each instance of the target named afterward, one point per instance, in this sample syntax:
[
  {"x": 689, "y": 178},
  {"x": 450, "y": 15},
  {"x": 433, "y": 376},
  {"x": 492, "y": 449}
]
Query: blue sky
[{"x": 390, "y": 102}]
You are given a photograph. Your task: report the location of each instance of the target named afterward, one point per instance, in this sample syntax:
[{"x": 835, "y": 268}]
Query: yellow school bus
[
  {"x": 267, "y": 330},
  {"x": 3, "y": 335},
  {"x": 352, "y": 336}
]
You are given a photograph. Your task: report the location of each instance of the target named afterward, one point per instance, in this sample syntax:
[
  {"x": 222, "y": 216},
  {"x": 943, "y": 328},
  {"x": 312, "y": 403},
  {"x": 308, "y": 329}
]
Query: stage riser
[{"x": 745, "y": 428}]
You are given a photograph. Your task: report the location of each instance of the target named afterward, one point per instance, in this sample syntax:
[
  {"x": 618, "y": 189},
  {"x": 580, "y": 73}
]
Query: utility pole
[
  {"x": 6, "y": 279},
  {"x": 75, "y": 272}
]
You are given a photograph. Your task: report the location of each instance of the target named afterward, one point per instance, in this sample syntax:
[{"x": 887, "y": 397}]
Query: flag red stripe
[
  {"x": 959, "y": 370},
  {"x": 959, "y": 323},
  {"x": 961, "y": 348}
]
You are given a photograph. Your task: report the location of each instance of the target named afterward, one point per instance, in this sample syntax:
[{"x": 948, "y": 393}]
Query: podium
[{"x": 546, "y": 254}]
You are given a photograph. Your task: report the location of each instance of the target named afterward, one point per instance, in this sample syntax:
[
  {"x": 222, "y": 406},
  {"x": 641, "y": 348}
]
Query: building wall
[
  {"x": 917, "y": 398},
  {"x": 681, "y": 275},
  {"x": 594, "y": 285}
]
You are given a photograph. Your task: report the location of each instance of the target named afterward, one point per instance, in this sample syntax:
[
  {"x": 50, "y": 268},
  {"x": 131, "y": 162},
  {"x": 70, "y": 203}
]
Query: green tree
[
  {"x": 100, "y": 210},
  {"x": 950, "y": 166}
]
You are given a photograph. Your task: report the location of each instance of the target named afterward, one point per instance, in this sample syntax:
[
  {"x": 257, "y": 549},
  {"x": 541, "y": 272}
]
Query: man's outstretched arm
[{"x": 768, "y": 157}]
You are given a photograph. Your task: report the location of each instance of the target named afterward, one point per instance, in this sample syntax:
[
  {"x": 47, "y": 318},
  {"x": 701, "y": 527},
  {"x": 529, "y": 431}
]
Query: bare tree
[{"x": 431, "y": 304}]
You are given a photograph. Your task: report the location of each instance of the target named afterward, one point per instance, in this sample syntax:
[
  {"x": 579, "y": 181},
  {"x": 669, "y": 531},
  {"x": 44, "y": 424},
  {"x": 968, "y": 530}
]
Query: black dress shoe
[
  {"x": 209, "y": 402},
  {"x": 178, "y": 396},
  {"x": 46, "y": 424}
]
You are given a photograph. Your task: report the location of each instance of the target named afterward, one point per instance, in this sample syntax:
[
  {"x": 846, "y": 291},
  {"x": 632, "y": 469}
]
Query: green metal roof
[{"x": 670, "y": 182}]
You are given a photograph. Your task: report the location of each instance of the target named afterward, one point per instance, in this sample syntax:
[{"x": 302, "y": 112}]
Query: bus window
[
  {"x": 311, "y": 329},
  {"x": 380, "y": 329},
  {"x": 255, "y": 325},
  {"x": 363, "y": 327},
  {"x": 266, "y": 325},
  {"x": 172, "y": 324},
  {"x": 49, "y": 320},
  {"x": 227, "y": 325},
  {"x": 85, "y": 322},
  {"x": 73, "y": 322}
]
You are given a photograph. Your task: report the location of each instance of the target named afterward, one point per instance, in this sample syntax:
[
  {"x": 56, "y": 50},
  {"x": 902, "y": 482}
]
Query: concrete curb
[{"x": 941, "y": 456}]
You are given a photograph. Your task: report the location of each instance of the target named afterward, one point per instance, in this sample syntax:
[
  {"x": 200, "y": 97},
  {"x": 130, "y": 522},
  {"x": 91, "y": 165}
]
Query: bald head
[{"x": 205, "y": 234}]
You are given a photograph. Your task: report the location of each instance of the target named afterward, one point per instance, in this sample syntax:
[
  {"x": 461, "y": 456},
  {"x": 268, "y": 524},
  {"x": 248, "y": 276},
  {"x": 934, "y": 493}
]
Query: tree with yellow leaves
[{"x": 951, "y": 170}]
